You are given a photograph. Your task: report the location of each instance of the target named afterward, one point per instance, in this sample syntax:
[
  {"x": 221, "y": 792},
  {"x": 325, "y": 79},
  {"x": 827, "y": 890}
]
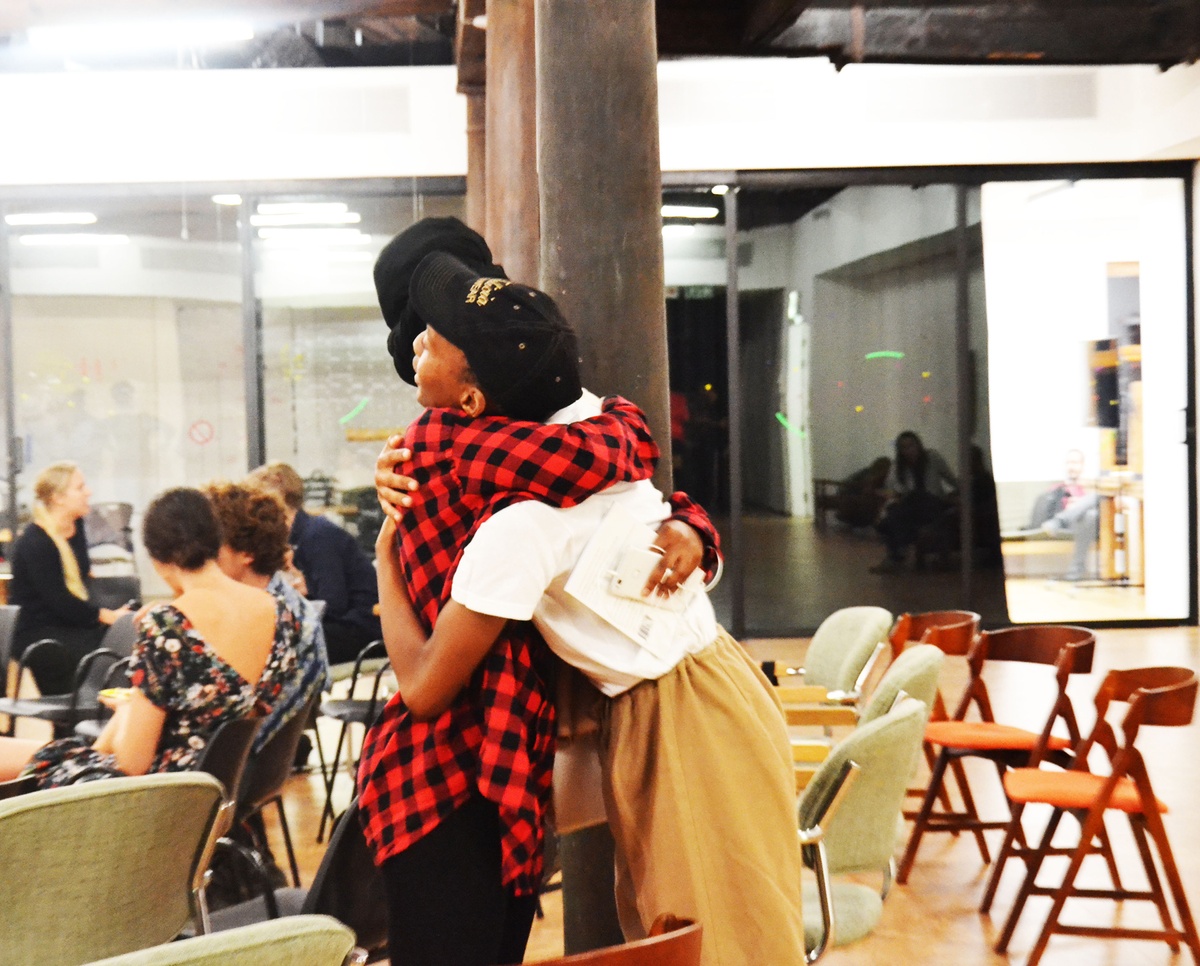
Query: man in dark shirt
[{"x": 333, "y": 565}]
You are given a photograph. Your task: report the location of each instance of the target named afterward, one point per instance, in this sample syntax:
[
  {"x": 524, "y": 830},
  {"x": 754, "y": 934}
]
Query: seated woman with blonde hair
[
  {"x": 220, "y": 650},
  {"x": 50, "y": 571}
]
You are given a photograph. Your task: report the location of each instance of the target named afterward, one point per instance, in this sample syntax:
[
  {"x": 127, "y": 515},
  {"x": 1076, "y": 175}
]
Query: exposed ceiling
[
  {"x": 363, "y": 33},
  {"x": 347, "y": 33}
]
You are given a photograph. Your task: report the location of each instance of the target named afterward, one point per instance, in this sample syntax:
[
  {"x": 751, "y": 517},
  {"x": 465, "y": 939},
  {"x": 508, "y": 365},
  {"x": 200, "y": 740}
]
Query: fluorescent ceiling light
[
  {"x": 689, "y": 211},
  {"x": 313, "y": 236},
  {"x": 720, "y": 189},
  {"x": 73, "y": 238},
  {"x": 678, "y": 231},
  {"x": 317, "y": 218},
  {"x": 302, "y": 207},
  {"x": 129, "y": 37},
  {"x": 227, "y": 199},
  {"x": 51, "y": 218}
]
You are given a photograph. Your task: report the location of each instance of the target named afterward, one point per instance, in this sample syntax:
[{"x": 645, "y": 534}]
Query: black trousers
[{"x": 446, "y": 904}]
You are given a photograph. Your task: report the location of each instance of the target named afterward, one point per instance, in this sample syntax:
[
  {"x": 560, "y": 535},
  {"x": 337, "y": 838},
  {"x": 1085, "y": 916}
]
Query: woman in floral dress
[{"x": 220, "y": 650}]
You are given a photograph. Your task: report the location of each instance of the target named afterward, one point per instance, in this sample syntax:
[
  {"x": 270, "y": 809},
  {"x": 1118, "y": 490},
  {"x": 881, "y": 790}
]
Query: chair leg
[
  {"x": 825, "y": 896},
  {"x": 1156, "y": 894},
  {"x": 1007, "y": 850},
  {"x": 922, "y": 817},
  {"x": 1091, "y": 826},
  {"x": 1110, "y": 858},
  {"x": 1033, "y": 865},
  {"x": 943, "y": 796},
  {"x": 1187, "y": 923},
  {"x": 960, "y": 775},
  {"x": 330, "y": 778},
  {"x": 287, "y": 841}
]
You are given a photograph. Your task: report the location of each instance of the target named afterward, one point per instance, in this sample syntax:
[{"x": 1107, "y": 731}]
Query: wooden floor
[{"x": 934, "y": 918}]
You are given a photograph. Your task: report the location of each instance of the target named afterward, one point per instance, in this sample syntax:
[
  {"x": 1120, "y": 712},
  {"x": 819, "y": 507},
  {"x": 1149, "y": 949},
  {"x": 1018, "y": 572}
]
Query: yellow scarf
[{"x": 70, "y": 565}]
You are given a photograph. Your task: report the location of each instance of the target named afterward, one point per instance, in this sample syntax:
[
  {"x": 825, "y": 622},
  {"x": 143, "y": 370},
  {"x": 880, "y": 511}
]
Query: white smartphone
[{"x": 632, "y": 571}]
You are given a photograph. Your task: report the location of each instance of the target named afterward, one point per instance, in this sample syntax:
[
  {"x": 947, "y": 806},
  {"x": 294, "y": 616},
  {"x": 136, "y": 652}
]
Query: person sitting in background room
[
  {"x": 254, "y": 549},
  {"x": 859, "y": 498},
  {"x": 919, "y": 486},
  {"x": 50, "y": 571},
  {"x": 1068, "y": 509},
  {"x": 219, "y": 650},
  {"x": 334, "y": 567}
]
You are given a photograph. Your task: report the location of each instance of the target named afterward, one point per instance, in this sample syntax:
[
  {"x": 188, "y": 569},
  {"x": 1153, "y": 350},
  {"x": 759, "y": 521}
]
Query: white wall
[{"x": 715, "y": 115}]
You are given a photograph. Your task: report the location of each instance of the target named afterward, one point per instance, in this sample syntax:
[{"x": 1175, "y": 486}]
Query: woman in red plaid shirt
[{"x": 753, "y": 877}]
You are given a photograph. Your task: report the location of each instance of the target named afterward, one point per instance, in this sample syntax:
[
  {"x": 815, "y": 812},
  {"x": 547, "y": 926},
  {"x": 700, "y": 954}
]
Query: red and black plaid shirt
[{"x": 498, "y": 735}]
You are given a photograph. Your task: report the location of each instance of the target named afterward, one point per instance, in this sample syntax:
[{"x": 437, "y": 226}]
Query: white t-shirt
[{"x": 517, "y": 563}]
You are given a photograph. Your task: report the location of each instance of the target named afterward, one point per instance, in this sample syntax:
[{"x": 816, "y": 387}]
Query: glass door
[{"x": 1087, "y": 341}]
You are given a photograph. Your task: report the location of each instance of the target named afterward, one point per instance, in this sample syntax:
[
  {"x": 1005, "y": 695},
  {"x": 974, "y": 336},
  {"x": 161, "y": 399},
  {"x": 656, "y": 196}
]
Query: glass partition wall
[
  {"x": 160, "y": 336},
  {"x": 1025, "y": 326},
  {"x": 1006, "y": 324}
]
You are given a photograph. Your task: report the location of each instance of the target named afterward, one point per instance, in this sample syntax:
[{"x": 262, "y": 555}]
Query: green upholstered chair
[
  {"x": 841, "y": 652},
  {"x": 915, "y": 673},
  {"x": 103, "y": 867},
  {"x": 849, "y": 817},
  {"x": 295, "y": 941}
]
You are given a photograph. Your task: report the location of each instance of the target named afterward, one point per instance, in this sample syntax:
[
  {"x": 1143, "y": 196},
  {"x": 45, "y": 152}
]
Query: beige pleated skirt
[{"x": 700, "y": 793}]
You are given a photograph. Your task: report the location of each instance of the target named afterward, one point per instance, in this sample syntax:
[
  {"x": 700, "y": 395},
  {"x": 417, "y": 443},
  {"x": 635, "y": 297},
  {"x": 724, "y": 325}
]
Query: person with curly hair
[{"x": 254, "y": 551}]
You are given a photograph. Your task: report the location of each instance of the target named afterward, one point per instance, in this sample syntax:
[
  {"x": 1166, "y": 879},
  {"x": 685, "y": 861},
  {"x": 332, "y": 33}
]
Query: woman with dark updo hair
[{"x": 219, "y": 650}]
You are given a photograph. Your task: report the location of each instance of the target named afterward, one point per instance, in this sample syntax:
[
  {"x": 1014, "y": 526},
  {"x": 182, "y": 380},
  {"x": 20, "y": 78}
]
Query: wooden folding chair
[
  {"x": 1162, "y": 696},
  {"x": 671, "y": 942},
  {"x": 1069, "y": 650},
  {"x": 953, "y": 632}
]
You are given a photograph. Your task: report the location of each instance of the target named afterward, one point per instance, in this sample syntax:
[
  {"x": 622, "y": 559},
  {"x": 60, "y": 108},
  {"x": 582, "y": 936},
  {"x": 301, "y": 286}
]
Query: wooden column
[
  {"x": 601, "y": 195},
  {"x": 477, "y": 162},
  {"x": 602, "y": 260},
  {"x": 511, "y": 152}
]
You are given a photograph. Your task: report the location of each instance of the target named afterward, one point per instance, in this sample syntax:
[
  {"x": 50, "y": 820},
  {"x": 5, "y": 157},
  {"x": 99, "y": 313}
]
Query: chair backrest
[
  {"x": 90, "y": 677},
  {"x": 110, "y": 523},
  {"x": 843, "y": 645},
  {"x": 291, "y": 941},
  {"x": 954, "y": 631},
  {"x": 914, "y": 672},
  {"x": 115, "y": 590},
  {"x": 269, "y": 768},
  {"x": 671, "y": 942},
  {"x": 102, "y": 867},
  {"x": 348, "y": 885},
  {"x": 1067, "y": 647},
  {"x": 225, "y": 755},
  {"x": 1157, "y": 696},
  {"x": 120, "y": 636},
  {"x": 8, "y": 626},
  {"x": 861, "y": 836}
]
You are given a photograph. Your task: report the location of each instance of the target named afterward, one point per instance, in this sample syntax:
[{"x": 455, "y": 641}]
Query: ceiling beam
[
  {"x": 767, "y": 18},
  {"x": 1161, "y": 32}
]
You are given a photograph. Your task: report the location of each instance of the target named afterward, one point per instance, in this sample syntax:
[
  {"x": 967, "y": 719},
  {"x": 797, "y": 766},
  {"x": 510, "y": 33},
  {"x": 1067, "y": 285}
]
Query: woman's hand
[
  {"x": 109, "y": 616},
  {"x": 393, "y": 488},
  {"x": 681, "y": 551}
]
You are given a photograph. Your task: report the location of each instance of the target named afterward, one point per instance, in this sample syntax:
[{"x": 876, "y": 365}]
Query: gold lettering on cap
[{"x": 483, "y": 288}]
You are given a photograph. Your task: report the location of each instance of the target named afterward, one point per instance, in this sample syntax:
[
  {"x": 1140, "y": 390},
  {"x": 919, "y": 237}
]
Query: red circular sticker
[{"x": 201, "y": 432}]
